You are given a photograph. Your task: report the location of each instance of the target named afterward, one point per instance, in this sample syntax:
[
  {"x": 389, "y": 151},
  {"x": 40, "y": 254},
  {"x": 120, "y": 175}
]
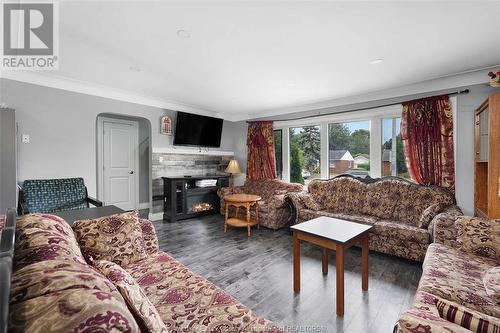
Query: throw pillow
[
  {"x": 310, "y": 203},
  {"x": 469, "y": 319},
  {"x": 479, "y": 236},
  {"x": 134, "y": 296},
  {"x": 429, "y": 213},
  {"x": 149, "y": 236},
  {"x": 491, "y": 281},
  {"x": 116, "y": 238}
]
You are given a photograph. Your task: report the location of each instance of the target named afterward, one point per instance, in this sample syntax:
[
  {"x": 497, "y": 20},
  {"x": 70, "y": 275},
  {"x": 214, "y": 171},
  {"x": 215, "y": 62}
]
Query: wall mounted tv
[{"x": 195, "y": 130}]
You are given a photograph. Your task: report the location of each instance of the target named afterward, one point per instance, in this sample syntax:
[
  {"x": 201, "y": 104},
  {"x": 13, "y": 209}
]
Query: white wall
[
  {"x": 464, "y": 168},
  {"x": 62, "y": 127}
]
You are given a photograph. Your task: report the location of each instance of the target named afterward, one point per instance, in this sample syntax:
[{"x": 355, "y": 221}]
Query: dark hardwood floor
[{"x": 258, "y": 272}]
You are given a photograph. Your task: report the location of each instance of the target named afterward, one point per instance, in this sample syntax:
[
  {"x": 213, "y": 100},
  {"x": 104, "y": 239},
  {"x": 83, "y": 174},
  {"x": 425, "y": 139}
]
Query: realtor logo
[{"x": 30, "y": 35}]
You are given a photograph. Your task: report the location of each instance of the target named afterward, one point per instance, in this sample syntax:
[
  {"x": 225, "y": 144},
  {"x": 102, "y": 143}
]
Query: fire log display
[{"x": 201, "y": 207}]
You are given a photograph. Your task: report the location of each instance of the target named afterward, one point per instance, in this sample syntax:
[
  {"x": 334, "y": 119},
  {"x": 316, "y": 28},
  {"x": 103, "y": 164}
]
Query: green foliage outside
[
  {"x": 309, "y": 143},
  {"x": 296, "y": 163},
  {"x": 365, "y": 166}
]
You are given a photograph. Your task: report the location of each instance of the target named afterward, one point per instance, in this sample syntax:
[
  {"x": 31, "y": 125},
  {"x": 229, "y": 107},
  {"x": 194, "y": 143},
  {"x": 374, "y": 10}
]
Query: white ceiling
[{"x": 251, "y": 58}]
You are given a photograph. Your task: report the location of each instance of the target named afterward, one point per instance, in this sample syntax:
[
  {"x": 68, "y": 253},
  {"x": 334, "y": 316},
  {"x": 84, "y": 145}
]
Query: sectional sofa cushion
[
  {"x": 491, "y": 280},
  {"x": 134, "y": 296},
  {"x": 379, "y": 200},
  {"x": 41, "y": 237},
  {"x": 479, "y": 236},
  {"x": 54, "y": 290},
  {"x": 149, "y": 236},
  {"x": 53, "y": 276},
  {"x": 72, "y": 310},
  {"x": 189, "y": 303},
  {"x": 406, "y": 232},
  {"x": 457, "y": 277},
  {"x": 117, "y": 238},
  {"x": 415, "y": 199},
  {"x": 471, "y": 320}
]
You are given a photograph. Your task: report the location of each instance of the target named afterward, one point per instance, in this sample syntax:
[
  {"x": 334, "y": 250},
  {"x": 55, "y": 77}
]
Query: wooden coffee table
[
  {"x": 337, "y": 235},
  {"x": 246, "y": 201}
]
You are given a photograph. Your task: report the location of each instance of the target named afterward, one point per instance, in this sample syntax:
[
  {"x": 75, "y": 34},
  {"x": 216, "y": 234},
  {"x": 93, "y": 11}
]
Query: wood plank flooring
[{"x": 258, "y": 272}]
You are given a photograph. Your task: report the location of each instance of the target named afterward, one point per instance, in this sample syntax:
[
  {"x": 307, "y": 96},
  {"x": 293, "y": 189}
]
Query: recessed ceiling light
[
  {"x": 183, "y": 34},
  {"x": 376, "y": 61}
]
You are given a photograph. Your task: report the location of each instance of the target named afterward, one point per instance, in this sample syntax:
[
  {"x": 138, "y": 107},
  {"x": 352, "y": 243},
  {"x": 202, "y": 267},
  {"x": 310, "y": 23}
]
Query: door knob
[{"x": 131, "y": 172}]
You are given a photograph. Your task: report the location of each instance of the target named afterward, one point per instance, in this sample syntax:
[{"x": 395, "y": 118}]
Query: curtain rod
[{"x": 458, "y": 92}]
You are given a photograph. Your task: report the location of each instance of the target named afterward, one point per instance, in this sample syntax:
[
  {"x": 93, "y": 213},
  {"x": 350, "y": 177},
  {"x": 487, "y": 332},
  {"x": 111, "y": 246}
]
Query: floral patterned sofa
[
  {"x": 459, "y": 290},
  {"x": 403, "y": 213},
  {"x": 274, "y": 212},
  {"x": 56, "y": 289}
]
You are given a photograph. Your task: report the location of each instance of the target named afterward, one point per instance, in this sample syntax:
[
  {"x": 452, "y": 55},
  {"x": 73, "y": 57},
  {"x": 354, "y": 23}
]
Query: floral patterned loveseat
[
  {"x": 459, "y": 291},
  {"x": 55, "y": 289},
  {"x": 274, "y": 212},
  {"x": 403, "y": 213}
]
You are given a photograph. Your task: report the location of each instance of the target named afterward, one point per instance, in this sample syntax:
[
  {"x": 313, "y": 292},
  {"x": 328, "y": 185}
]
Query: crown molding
[
  {"x": 477, "y": 76},
  {"x": 89, "y": 88},
  {"x": 191, "y": 151}
]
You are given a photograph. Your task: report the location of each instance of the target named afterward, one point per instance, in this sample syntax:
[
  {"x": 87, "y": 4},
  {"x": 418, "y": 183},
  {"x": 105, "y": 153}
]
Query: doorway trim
[{"x": 100, "y": 155}]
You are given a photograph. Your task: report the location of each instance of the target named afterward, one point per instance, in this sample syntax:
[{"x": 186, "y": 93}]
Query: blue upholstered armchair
[{"x": 54, "y": 195}]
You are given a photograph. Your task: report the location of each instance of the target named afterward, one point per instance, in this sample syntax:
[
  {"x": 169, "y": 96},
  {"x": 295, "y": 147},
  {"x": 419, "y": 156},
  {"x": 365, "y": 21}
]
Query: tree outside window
[{"x": 305, "y": 154}]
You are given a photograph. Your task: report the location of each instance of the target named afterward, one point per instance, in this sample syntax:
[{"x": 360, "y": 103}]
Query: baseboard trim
[{"x": 156, "y": 216}]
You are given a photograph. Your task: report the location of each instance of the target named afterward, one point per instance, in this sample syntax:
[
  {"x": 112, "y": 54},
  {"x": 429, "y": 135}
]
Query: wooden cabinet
[{"x": 487, "y": 159}]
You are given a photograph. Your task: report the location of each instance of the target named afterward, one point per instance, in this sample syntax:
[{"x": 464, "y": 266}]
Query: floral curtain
[
  {"x": 427, "y": 134},
  {"x": 261, "y": 161}
]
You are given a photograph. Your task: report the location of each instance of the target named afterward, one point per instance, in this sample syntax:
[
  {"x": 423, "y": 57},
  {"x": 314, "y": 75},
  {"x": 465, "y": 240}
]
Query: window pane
[
  {"x": 349, "y": 148},
  {"x": 393, "y": 156},
  {"x": 278, "y": 153},
  {"x": 305, "y": 152}
]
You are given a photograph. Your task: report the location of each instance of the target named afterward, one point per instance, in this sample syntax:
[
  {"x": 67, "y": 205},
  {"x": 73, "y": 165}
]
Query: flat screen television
[{"x": 195, "y": 130}]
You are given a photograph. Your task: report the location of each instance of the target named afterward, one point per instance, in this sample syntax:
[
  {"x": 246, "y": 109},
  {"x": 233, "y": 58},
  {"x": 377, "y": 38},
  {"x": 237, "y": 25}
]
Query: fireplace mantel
[{"x": 191, "y": 151}]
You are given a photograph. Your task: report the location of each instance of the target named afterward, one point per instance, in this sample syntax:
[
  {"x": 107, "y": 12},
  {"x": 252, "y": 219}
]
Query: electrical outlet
[{"x": 25, "y": 138}]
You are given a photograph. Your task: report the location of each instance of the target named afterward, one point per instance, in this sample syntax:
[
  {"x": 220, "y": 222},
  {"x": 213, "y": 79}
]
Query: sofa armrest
[
  {"x": 93, "y": 201},
  {"x": 423, "y": 316},
  {"x": 294, "y": 200},
  {"x": 277, "y": 201},
  {"x": 442, "y": 227}
]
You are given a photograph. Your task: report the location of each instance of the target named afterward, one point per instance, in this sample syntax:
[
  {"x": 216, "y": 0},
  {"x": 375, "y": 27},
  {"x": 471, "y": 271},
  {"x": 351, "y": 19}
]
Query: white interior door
[{"x": 120, "y": 164}]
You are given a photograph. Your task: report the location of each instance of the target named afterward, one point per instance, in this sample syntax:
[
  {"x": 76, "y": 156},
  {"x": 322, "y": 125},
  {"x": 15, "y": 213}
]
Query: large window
[
  {"x": 305, "y": 154},
  {"x": 393, "y": 156},
  {"x": 349, "y": 148},
  {"x": 278, "y": 152}
]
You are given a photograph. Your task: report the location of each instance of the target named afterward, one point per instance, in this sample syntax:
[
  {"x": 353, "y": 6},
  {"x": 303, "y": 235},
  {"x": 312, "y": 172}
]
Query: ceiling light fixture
[
  {"x": 376, "y": 61},
  {"x": 183, "y": 34}
]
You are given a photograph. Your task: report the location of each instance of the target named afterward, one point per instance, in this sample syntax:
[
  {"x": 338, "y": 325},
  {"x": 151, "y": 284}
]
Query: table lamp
[{"x": 232, "y": 168}]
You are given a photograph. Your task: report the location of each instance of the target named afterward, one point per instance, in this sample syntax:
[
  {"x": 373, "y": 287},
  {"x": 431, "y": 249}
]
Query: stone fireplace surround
[{"x": 182, "y": 162}]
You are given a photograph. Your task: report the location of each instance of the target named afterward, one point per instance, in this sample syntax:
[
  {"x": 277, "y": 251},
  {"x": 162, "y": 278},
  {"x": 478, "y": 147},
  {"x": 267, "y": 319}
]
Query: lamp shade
[{"x": 233, "y": 167}]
